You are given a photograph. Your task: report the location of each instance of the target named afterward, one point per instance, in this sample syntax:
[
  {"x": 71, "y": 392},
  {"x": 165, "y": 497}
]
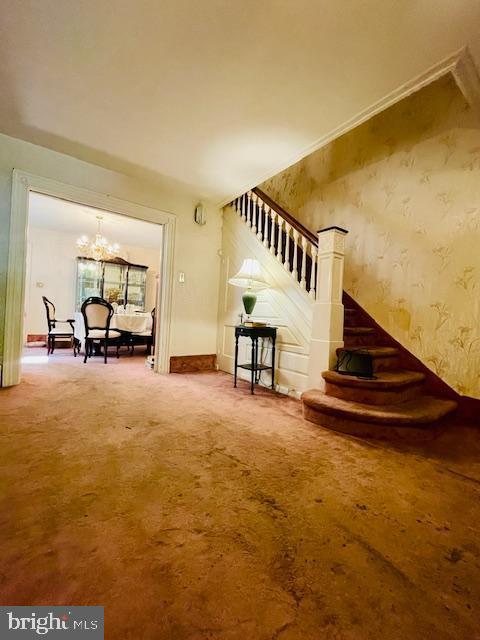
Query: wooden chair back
[{"x": 50, "y": 311}]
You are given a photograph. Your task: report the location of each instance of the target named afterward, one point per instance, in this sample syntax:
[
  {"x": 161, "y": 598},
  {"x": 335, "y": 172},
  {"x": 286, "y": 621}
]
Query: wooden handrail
[{"x": 311, "y": 237}]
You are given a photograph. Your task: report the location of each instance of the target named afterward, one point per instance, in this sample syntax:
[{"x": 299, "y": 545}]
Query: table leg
[
  {"x": 273, "y": 363},
  {"x": 258, "y": 374},
  {"x": 252, "y": 381},
  {"x": 236, "y": 362}
]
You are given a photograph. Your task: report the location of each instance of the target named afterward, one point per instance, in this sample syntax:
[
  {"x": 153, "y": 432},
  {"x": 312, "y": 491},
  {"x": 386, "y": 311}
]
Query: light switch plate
[{"x": 181, "y": 276}]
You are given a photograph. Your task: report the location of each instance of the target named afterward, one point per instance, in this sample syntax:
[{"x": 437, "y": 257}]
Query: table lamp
[{"x": 249, "y": 277}]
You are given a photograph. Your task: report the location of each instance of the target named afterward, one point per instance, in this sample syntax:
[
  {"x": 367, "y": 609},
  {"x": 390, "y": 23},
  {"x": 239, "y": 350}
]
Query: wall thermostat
[{"x": 200, "y": 214}]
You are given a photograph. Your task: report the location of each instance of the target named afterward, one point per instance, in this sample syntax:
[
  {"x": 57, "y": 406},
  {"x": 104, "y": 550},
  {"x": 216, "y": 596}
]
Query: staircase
[
  {"x": 396, "y": 403},
  {"x": 401, "y": 400}
]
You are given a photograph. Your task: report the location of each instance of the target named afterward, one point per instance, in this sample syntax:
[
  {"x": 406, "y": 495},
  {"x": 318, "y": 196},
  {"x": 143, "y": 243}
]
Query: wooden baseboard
[
  {"x": 60, "y": 343},
  {"x": 190, "y": 364}
]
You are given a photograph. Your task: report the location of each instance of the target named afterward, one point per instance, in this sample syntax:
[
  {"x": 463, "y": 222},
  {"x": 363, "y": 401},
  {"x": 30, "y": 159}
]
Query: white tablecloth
[{"x": 134, "y": 322}]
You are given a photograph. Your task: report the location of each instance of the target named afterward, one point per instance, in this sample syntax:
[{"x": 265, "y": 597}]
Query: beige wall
[
  {"x": 53, "y": 273},
  {"x": 407, "y": 187},
  {"x": 194, "y": 320}
]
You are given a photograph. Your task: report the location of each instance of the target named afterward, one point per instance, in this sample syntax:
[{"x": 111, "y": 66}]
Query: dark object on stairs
[{"x": 355, "y": 362}]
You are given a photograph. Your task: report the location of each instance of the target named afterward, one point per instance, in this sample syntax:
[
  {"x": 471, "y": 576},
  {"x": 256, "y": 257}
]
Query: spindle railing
[{"x": 294, "y": 246}]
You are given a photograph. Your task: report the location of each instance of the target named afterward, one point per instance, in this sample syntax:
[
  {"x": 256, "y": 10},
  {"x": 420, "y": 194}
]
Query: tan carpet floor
[{"x": 191, "y": 510}]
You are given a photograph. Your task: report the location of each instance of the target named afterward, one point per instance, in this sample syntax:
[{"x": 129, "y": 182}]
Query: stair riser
[
  {"x": 373, "y": 396},
  {"x": 360, "y": 341},
  {"x": 352, "y": 321},
  {"x": 369, "y": 430},
  {"x": 381, "y": 362},
  {"x": 385, "y": 364}
]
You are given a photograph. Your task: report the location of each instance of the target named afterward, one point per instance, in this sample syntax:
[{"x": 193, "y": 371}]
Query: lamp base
[{"x": 249, "y": 299}]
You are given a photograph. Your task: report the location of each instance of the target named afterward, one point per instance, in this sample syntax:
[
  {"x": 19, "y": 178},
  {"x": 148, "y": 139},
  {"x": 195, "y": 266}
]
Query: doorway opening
[
  {"x": 60, "y": 256},
  {"x": 76, "y": 253}
]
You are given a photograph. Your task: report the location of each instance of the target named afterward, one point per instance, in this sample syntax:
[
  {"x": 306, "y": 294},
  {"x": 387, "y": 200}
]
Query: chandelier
[{"x": 98, "y": 249}]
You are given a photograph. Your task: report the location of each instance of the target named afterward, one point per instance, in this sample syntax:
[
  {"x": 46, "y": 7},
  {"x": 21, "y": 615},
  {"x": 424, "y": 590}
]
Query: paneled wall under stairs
[{"x": 284, "y": 305}]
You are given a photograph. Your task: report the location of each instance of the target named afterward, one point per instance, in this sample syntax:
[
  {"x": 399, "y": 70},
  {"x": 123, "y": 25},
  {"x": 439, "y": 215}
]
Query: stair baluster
[
  {"x": 286, "y": 264},
  {"x": 249, "y": 209},
  {"x": 273, "y": 216},
  {"x": 253, "y": 221},
  {"x": 265, "y": 229},
  {"x": 261, "y": 223},
  {"x": 303, "y": 270},
  {"x": 295, "y": 255},
  {"x": 279, "y": 238}
]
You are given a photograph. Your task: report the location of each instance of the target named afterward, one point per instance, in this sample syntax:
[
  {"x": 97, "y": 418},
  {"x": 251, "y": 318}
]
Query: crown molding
[
  {"x": 460, "y": 64},
  {"x": 467, "y": 78}
]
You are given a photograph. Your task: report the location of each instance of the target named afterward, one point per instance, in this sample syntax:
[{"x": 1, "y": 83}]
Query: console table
[{"x": 254, "y": 333}]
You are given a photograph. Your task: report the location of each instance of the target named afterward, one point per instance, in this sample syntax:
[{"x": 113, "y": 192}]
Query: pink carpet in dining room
[{"x": 193, "y": 510}]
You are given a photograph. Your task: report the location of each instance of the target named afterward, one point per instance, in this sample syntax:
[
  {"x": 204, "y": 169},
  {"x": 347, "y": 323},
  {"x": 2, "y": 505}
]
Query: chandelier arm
[{"x": 98, "y": 249}]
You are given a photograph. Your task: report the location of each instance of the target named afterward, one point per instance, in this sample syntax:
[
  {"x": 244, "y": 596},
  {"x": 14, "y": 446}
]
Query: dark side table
[{"x": 254, "y": 333}]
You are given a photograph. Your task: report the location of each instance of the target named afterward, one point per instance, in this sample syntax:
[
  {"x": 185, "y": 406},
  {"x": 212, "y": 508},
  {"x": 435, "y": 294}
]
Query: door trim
[{"x": 24, "y": 182}]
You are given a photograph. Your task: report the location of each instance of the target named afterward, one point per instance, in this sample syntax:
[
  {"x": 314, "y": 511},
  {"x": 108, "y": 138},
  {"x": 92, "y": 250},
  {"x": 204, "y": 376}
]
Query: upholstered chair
[{"x": 97, "y": 314}]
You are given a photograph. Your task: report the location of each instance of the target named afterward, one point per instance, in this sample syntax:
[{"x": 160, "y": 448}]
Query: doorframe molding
[
  {"x": 460, "y": 64},
  {"x": 22, "y": 184}
]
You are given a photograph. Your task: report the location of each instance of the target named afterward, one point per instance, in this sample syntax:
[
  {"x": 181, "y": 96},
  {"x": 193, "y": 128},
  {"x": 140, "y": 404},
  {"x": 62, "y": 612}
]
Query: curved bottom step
[{"x": 417, "y": 419}]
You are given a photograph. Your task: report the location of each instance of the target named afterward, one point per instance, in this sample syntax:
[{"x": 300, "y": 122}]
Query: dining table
[{"x": 138, "y": 322}]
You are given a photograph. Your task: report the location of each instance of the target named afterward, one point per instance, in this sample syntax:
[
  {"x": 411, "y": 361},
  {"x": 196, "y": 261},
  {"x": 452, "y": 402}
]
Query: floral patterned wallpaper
[{"x": 406, "y": 185}]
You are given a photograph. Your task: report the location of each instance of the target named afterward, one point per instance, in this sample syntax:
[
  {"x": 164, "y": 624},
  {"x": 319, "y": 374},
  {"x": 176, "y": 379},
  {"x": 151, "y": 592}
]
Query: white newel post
[{"x": 327, "y": 323}]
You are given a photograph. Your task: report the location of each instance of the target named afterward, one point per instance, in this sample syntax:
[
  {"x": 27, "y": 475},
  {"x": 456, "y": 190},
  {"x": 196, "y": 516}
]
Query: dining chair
[
  {"x": 144, "y": 337},
  {"x": 56, "y": 332},
  {"x": 97, "y": 314}
]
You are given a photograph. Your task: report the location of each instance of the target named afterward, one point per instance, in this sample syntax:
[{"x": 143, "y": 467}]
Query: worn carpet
[{"x": 191, "y": 510}]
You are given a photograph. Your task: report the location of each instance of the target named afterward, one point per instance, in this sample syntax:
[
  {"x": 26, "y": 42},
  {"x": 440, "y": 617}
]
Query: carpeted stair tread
[
  {"x": 358, "y": 331},
  {"x": 383, "y": 379},
  {"x": 421, "y": 410},
  {"x": 375, "y": 352}
]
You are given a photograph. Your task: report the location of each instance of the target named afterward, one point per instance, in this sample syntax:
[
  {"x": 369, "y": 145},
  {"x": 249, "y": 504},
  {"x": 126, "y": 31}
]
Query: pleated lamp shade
[{"x": 250, "y": 276}]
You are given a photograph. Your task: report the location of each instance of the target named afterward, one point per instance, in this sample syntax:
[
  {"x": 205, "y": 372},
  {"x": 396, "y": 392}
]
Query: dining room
[{"x": 92, "y": 285}]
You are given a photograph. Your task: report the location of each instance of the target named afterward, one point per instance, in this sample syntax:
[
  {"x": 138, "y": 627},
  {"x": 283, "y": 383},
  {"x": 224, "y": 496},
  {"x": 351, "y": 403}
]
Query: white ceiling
[
  {"x": 218, "y": 94},
  {"x": 68, "y": 217}
]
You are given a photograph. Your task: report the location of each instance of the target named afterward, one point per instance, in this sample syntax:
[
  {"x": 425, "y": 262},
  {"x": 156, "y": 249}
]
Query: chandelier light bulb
[
  {"x": 82, "y": 242},
  {"x": 99, "y": 249}
]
